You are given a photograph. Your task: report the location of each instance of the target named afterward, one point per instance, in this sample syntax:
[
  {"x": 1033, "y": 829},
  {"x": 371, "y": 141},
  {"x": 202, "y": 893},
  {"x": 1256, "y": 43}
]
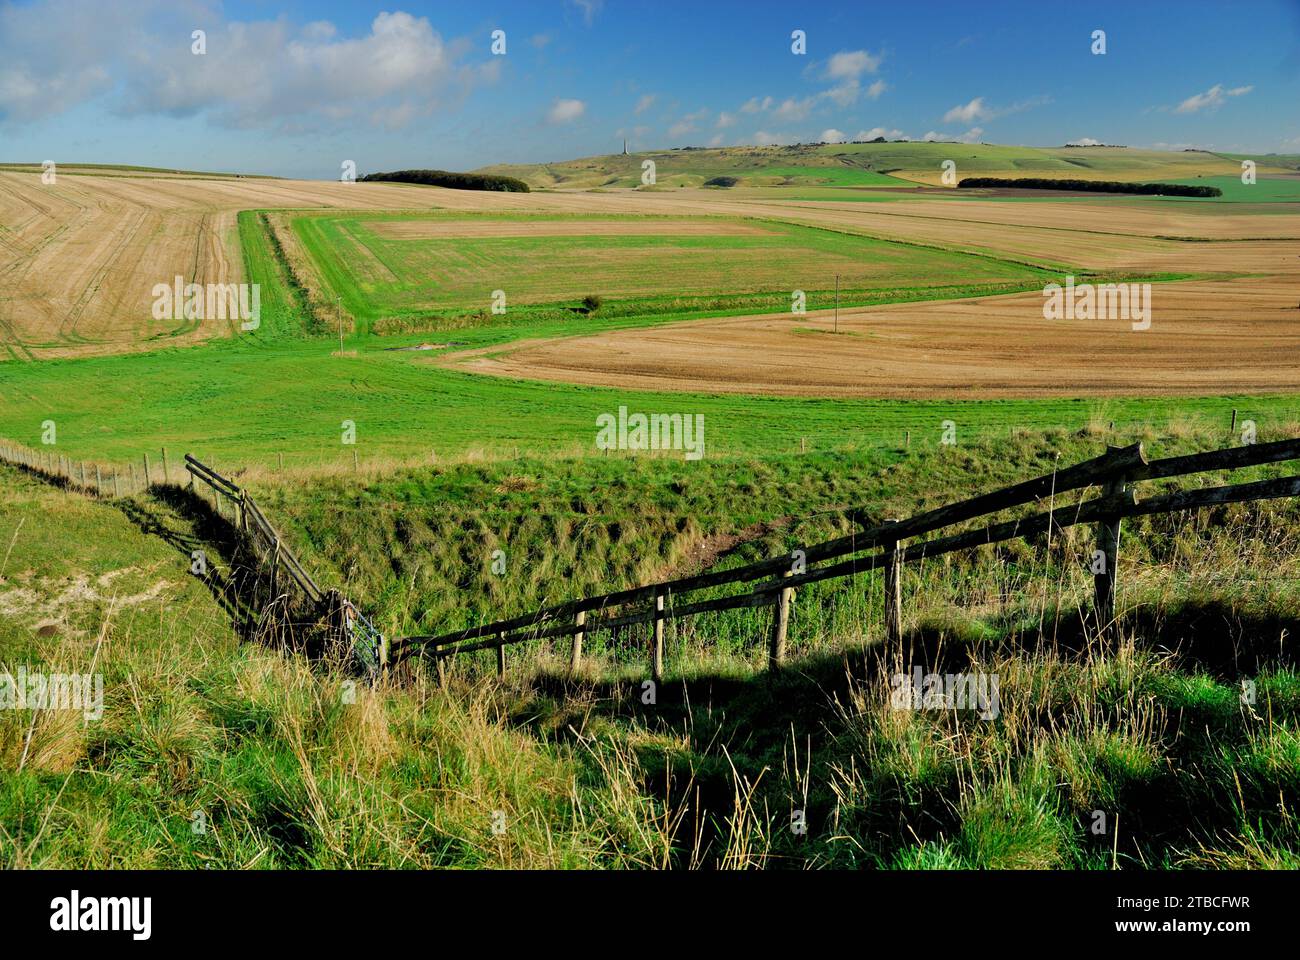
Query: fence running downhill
[
  {"x": 1114, "y": 473},
  {"x": 895, "y": 543},
  {"x": 288, "y": 585}
]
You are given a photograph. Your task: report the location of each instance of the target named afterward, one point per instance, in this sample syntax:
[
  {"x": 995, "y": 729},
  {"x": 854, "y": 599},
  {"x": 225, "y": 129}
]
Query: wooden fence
[
  {"x": 89, "y": 476},
  {"x": 289, "y": 582},
  {"x": 363, "y": 641},
  {"x": 895, "y": 543}
]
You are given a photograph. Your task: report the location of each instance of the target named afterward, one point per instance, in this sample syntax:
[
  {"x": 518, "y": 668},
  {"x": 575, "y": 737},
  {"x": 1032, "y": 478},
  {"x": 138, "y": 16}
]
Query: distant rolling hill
[{"x": 894, "y": 164}]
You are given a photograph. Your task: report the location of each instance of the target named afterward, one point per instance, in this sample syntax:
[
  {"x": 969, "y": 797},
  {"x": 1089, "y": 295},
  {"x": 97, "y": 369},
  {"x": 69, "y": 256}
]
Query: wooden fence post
[
  {"x": 501, "y": 655},
  {"x": 657, "y": 645},
  {"x": 780, "y": 623},
  {"x": 116, "y": 494},
  {"x": 575, "y": 655},
  {"x": 147, "y": 479},
  {"x": 99, "y": 480},
  {"x": 1105, "y": 581},
  {"x": 275, "y": 567},
  {"x": 167, "y": 475},
  {"x": 894, "y": 590}
]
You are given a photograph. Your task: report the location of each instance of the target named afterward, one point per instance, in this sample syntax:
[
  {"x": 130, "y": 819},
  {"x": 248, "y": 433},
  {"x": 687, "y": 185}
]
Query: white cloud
[
  {"x": 794, "y": 110},
  {"x": 876, "y": 89},
  {"x": 589, "y": 9},
  {"x": 565, "y": 111},
  {"x": 1083, "y": 142},
  {"x": 973, "y": 135},
  {"x": 726, "y": 120},
  {"x": 875, "y": 132},
  {"x": 52, "y": 56},
  {"x": 832, "y": 136},
  {"x": 1211, "y": 99},
  {"x": 644, "y": 103},
  {"x": 843, "y": 95},
  {"x": 765, "y": 139},
  {"x": 688, "y": 124},
  {"x": 977, "y": 109},
  {"x": 756, "y": 105},
  {"x": 965, "y": 113},
  {"x": 56, "y": 54},
  {"x": 851, "y": 64}
]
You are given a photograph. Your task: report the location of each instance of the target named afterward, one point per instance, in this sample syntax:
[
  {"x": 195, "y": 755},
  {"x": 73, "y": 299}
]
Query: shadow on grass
[
  {"x": 704, "y": 734},
  {"x": 246, "y": 590}
]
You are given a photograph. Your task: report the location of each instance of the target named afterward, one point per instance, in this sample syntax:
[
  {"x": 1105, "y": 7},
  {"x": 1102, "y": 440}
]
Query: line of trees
[
  {"x": 1095, "y": 186},
  {"x": 454, "y": 181}
]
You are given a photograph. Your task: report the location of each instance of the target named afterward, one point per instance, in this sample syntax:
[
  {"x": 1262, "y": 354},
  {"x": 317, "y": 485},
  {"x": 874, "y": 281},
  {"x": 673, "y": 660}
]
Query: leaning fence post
[
  {"x": 894, "y": 590},
  {"x": 575, "y": 655},
  {"x": 657, "y": 647},
  {"x": 1105, "y": 563},
  {"x": 780, "y": 623}
]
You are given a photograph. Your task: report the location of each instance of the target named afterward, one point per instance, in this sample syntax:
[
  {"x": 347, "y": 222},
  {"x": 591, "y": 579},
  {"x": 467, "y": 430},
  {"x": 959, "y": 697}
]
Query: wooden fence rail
[
  {"x": 896, "y": 543},
  {"x": 366, "y": 642},
  {"x": 100, "y": 479}
]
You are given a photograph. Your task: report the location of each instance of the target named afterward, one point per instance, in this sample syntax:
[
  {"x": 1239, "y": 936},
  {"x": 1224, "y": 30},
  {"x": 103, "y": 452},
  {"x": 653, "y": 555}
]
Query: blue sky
[{"x": 295, "y": 88}]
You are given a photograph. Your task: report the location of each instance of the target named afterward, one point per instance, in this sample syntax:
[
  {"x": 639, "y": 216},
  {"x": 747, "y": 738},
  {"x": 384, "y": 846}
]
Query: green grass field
[
  {"x": 246, "y": 403},
  {"x": 848, "y": 163},
  {"x": 1264, "y": 190},
  {"x": 384, "y": 277}
]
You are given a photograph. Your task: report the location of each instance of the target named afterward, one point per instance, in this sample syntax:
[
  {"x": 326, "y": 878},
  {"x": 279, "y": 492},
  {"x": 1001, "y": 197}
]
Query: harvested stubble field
[
  {"x": 1208, "y": 336},
  {"x": 80, "y": 257}
]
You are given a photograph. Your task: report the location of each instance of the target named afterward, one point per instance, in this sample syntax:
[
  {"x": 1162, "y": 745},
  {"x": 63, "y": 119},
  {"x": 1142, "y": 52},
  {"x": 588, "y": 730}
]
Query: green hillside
[{"x": 881, "y": 164}]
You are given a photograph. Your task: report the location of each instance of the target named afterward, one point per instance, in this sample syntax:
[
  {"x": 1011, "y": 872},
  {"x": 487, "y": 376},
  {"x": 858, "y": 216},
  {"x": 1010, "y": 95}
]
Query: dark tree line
[
  {"x": 454, "y": 181},
  {"x": 1095, "y": 186}
]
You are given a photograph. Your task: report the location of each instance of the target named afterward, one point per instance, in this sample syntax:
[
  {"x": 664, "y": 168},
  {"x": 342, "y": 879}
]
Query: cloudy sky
[{"x": 294, "y": 89}]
